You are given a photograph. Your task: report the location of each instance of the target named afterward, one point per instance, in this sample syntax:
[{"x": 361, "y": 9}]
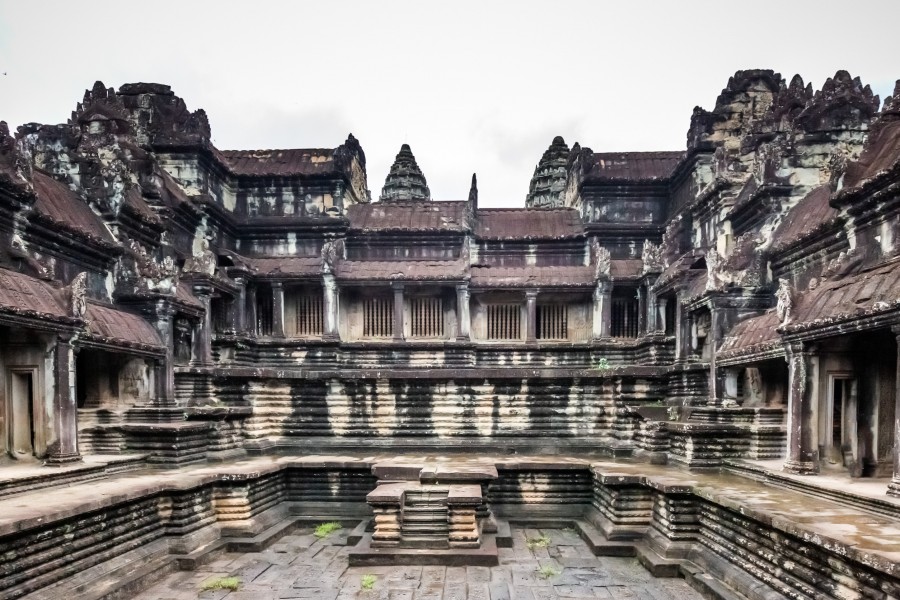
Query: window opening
[
  {"x": 504, "y": 321},
  {"x": 552, "y": 321},
  {"x": 309, "y": 313},
  {"x": 625, "y": 311},
  {"x": 378, "y": 317},
  {"x": 427, "y": 317}
]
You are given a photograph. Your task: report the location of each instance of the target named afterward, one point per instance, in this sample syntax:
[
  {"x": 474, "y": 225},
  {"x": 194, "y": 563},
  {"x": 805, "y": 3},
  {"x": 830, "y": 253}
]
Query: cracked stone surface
[{"x": 301, "y": 566}]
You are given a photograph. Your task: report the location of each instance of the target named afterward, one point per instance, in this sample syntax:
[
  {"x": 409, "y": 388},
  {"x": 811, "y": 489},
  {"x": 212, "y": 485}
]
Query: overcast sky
[{"x": 471, "y": 86}]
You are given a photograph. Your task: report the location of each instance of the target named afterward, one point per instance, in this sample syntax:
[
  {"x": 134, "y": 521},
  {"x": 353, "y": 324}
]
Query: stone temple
[{"x": 688, "y": 356}]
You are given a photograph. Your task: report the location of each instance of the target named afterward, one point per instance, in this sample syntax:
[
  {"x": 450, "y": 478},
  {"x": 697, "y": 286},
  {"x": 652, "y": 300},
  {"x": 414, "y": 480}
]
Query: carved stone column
[
  {"x": 202, "y": 350},
  {"x": 602, "y": 310},
  {"x": 802, "y": 454},
  {"x": 642, "y": 310},
  {"x": 531, "y": 316},
  {"x": 462, "y": 313},
  {"x": 652, "y": 312},
  {"x": 682, "y": 329},
  {"x": 716, "y": 375},
  {"x": 63, "y": 441},
  {"x": 661, "y": 324},
  {"x": 252, "y": 323},
  {"x": 398, "y": 311},
  {"x": 165, "y": 372},
  {"x": 277, "y": 309},
  {"x": 894, "y": 486},
  {"x": 239, "y": 307},
  {"x": 329, "y": 289},
  {"x": 730, "y": 384}
]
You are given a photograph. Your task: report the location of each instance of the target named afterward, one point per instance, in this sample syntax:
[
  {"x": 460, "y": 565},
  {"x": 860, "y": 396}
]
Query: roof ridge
[
  {"x": 529, "y": 209},
  {"x": 407, "y": 201},
  {"x": 658, "y": 152},
  {"x": 323, "y": 149}
]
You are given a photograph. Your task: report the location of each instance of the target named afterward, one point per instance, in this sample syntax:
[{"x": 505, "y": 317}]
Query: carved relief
[
  {"x": 332, "y": 252},
  {"x": 713, "y": 278},
  {"x": 651, "y": 256},
  {"x": 183, "y": 340},
  {"x": 203, "y": 261},
  {"x": 152, "y": 275},
  {"x": 602, "y": 260},
  {"x": 785, "y": 301},
  {"x": 78, "y": 291}
]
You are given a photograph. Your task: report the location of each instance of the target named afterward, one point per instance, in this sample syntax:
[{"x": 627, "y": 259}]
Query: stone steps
[{"x": 424, "y": 517}]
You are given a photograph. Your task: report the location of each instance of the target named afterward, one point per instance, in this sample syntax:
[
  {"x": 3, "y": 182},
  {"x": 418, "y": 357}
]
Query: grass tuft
[
  {"x": 367, "y": 582},
  {"x": 222, "y": 583},
  {"x": 547, "y": 572},
  {"x": 326, "y": 529},
  {"x": 538, "y": 542}
]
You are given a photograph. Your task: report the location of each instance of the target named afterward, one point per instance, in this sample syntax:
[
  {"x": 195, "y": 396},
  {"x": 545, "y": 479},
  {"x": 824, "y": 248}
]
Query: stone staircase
[
  {"x": 424, "y": 518},
  {"x": 429, "y": 514}
]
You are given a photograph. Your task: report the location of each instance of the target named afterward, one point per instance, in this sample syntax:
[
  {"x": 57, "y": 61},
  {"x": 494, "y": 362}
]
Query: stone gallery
[{"x": 689, "y": 357}]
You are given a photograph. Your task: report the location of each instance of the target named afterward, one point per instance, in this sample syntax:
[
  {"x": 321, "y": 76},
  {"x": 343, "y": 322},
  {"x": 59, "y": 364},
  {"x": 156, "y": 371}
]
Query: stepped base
[{"x": 365, "y": 555}]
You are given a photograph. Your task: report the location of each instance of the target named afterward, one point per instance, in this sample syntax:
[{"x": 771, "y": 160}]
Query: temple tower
[
  {"x": 405, "y": 181},
  {"x": 549, "y": 180}
]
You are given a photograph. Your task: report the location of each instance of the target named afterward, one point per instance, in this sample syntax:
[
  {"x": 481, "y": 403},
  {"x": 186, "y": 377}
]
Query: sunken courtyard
[{"x": 243, "y": 374}]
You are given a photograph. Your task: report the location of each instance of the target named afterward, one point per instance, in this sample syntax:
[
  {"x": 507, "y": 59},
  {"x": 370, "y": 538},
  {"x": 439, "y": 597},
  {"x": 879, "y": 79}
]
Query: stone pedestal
[{"x": 420, "y": 517}]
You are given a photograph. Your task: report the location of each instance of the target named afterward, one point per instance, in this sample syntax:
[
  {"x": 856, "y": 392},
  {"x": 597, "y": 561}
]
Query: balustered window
[
  {"x": 504, "y": 321},
  {"x": 552, "y": 322},
  {"x": 378, "y": 316},
  {"x": 625, "y": 310},
  {"x": 426, "y": 317},
  {"x": 305, "y": 313}
]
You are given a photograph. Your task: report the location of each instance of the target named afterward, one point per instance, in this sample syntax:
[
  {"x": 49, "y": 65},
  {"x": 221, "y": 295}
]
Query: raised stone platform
[
  {"x": 429, "y": 513},
  {"x": 725, "y": 530}
]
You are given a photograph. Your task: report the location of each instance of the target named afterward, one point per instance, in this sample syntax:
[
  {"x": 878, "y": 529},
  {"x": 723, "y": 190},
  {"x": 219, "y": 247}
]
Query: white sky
[{"x": 471, "y": 86}]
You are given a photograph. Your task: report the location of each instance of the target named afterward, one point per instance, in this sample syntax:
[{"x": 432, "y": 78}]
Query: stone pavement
[{"x": 301, "y": 566}]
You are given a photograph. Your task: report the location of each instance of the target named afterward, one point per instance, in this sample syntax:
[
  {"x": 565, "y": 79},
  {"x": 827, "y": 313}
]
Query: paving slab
[{"x": 331, "y": 578}]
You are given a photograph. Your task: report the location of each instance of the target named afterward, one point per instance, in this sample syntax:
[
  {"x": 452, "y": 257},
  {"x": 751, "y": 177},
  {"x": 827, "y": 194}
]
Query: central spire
[
  {"x": 549, "y": 180},
  {"x": 405, "y": 180}
]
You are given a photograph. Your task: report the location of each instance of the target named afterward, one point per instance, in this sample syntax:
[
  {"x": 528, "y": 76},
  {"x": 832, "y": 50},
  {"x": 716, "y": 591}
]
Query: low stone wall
[
  {"x": 737, "y": 537},
  {"x": 724, "y": 526}
]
